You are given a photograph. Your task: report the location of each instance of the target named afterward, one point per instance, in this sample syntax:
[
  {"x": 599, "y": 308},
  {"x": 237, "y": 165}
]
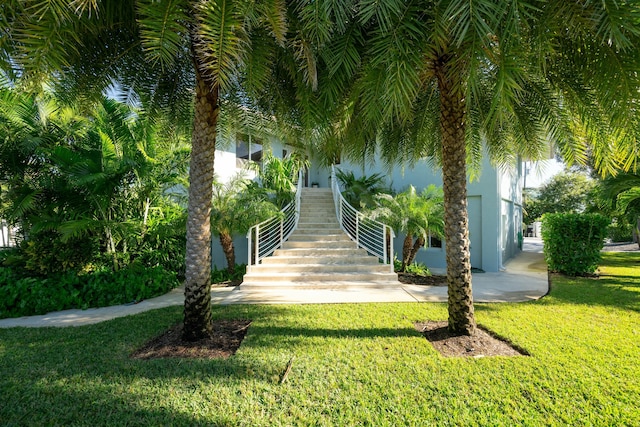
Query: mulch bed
[
  {"x": 225, "y": 340},
  {"x": 482, "y": 344}
]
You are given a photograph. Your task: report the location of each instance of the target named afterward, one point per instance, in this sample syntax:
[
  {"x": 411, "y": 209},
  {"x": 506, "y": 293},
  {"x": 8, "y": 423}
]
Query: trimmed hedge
[
  {"x": 572, "y": 242},
  {"x": 22, "y": 295}
]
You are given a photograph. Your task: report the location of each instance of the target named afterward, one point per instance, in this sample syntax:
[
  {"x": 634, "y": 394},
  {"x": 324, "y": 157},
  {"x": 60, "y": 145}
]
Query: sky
[{"x": 540, "y": 172}]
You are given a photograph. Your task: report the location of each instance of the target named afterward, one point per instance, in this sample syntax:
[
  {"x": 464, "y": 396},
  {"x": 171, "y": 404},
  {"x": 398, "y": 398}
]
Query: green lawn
[{"x": 354, "y": 365}]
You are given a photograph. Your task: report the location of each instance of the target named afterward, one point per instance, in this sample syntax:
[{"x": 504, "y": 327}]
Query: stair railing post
[
  {"x": 384, "y": 243},
  {"x": 357, "y": 229},
  {"x": 281, "y": 231},
  {"x": 257, "y": 260},
  {"x": 249, "y": 250},
  {"x": 391, "y": 236}
]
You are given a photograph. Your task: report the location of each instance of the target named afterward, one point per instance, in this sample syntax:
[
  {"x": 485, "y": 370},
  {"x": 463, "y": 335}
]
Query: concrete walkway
[{"x": 524, "y": 279}]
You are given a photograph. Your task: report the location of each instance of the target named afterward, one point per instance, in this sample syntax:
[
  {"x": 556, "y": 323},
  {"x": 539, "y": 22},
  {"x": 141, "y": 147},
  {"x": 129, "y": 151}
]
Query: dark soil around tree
[
  {"x": 482, "y": 344},
  {"x": 224, "y": 341}
]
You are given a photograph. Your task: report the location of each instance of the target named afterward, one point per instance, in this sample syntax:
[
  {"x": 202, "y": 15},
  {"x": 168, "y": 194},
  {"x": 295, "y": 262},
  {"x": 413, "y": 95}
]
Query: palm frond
[{"x": 163, "y": 29}]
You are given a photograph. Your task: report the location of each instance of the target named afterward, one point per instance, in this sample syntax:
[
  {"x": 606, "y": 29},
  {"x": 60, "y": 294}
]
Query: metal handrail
[
  {"x": 264, "y": 238},
  {"x": 373, "y": 236}
]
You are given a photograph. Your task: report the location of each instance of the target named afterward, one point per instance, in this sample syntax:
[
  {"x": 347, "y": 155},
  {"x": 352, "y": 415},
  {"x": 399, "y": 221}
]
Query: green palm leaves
[
  {"x": 417, "y": 215},
  {"x": 73, "y": 177},
  {"x": 236, "y": 206}
]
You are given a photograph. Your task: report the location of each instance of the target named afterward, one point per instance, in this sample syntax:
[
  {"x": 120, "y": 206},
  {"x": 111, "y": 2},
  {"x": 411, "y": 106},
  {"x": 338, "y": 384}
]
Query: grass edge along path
[{"x": 354, "y": 365}]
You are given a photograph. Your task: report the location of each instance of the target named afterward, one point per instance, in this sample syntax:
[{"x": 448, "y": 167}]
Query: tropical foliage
[
  {"x": 237, "y": 205},
  {"x": 25, "y": 295},
  {"x": 84, "y": 186},
  {"x": 567, "y": 192},
  {"x": 361, "y": 192},
  {"x": 418, "y": 216},
  {"x": 623, "y": 192},
  {"x": 91, "y": 193},
  {"x": 280, "y": 176}
]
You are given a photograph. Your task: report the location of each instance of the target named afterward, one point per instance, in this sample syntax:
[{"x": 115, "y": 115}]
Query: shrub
[
  {"x": 223, "y": 275},
  {"x": 621, "y": 232},
  {"x": 25, "y": 296},
  {"x": 414, "y": 268},
  {"x": 572, "y": 242},
  {"x": 45, "y": 253}
]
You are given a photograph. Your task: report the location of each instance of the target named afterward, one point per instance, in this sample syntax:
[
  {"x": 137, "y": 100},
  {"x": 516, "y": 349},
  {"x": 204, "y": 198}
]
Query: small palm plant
[
  {"x": 236, "y": 206},
  {"x": 416, "y": 215},
  {"x": 280, "y": 176},
  {"x": 624, "y": 192},
  {"x": 361, "y": 192}
]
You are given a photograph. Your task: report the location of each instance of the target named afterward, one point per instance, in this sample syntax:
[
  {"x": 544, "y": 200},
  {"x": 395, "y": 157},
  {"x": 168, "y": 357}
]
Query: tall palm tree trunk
[
  {"x": 454, "y": 177},
  {"x": 197, "y": 291}
]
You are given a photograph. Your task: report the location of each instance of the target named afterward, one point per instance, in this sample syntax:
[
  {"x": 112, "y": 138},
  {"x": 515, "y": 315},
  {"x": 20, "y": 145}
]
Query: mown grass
[{"x": 354, "y": 365}]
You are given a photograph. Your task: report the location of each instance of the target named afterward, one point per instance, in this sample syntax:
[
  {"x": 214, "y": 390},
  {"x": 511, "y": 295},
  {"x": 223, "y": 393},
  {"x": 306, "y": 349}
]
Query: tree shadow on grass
[
  {"x": 619, "y": 291},
  {"x": 84, "y": 375}
]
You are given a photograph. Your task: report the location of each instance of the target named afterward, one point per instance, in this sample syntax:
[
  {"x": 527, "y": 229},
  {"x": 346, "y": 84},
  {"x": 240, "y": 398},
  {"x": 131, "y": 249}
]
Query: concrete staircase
[{"x": 319, "y": 254}]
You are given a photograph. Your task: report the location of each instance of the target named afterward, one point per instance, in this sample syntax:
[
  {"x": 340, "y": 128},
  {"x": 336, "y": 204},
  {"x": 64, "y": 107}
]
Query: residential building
[{"x": 494, "y": 203}]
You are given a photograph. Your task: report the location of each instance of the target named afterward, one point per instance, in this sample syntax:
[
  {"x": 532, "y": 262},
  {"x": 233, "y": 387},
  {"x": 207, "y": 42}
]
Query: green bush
[
  {"x": 621, "y": 232},
  {"x": 572, "y": 242},
  {"x": 45, "y": 253},
  {"x": 221, "y": 276},
  {"x": 164, "y": 244},
  {"x": 414, "y": 268},
  {"x": 25, "y": 296}
]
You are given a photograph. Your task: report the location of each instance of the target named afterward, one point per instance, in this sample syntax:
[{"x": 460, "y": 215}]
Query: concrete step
[
  {"x": 320, "y": 244},
  {"x": 323, "y": 259},
  {"x": 268, "y": 279},
  {"x": 327, "y": 218},
  {"x": 345, "y": 253},
  {"x": 318, "y": 229},
  {"x": 309, "y": 210},
  {"x": 319, "y": 190},
  {"x": 329, "y": 221},
  {"x": 320, "y": 237},
  {"x": 319, "y": 268},
  {"x": 305, "y": 210}
]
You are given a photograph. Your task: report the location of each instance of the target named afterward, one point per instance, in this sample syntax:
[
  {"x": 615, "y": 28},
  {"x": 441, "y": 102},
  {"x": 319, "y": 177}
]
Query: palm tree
[
  {"x": 281, "y": 176},
  {"x": 624, "y": 191},
  {"x": 74, "y": 179},
  {"x": 163, "y": 51},
  {"x": 416, "y": 215},
  {"x": 360, "y": 192},
  {"x": 237, "y": 205},
  {"x": 452, "y": 80}
]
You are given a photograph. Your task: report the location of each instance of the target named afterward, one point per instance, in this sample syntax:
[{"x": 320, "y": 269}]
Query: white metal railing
[
  {"x": 371, "y": 235},
  {"x": 264, "y": 238}
]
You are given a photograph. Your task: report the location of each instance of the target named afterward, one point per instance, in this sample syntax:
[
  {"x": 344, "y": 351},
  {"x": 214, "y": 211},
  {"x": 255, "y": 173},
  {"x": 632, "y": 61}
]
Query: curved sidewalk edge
[{"x": 524, "y": 279}]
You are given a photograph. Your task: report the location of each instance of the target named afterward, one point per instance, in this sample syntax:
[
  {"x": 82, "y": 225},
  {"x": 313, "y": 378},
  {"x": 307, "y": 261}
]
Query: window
[
  {"x": 248, "y": 149},
  {"x": 434, "y": 242}
]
